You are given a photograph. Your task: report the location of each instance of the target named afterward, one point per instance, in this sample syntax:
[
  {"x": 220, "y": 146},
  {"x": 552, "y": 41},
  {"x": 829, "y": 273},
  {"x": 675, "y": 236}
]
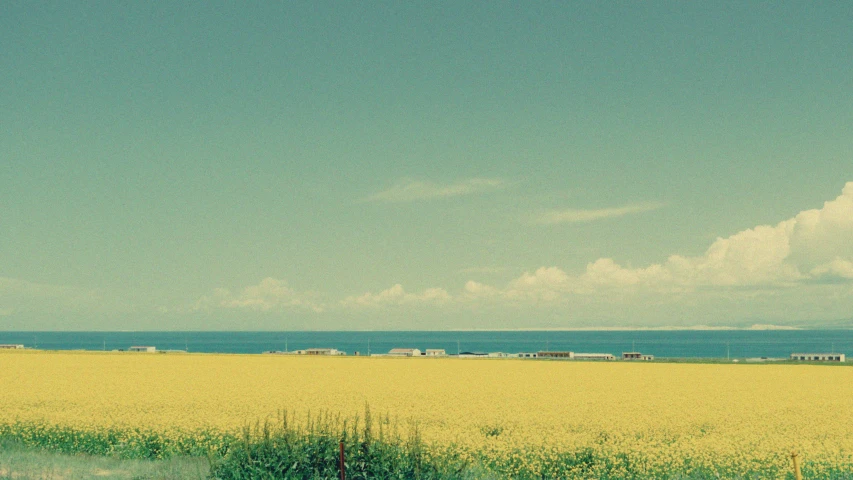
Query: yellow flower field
[{"x": 656, "y": 414}]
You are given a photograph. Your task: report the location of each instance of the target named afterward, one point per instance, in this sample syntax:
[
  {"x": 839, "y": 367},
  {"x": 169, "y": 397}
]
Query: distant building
[
  {"x": 322, "y": 351},
  {"x": 435, "y": 352},
  {"x": 11, "y": 346},
  {"x": 404, "y": 352},
  {"x": 142, "y": 348},
  {"x": 473, "y": 355},
  {"x": 313, "y": 351},
  {"x": 550, "y": 354},
  {"x": 636, "y": 356},
  {"x": 763, "y": 359},
  {"x": 593, "y": 356},
  {"x": 819, "y": 357},
  {"x": 526, "y": 355},
  {"x": 498, "y": 355}
]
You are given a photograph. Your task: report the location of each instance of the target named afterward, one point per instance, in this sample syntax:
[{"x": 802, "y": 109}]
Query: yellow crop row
[{"x": 657, "y": 414}]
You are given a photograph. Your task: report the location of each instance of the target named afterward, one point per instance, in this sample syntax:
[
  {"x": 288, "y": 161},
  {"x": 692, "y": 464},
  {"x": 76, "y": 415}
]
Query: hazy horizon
[{"x": 506, "y": 166}]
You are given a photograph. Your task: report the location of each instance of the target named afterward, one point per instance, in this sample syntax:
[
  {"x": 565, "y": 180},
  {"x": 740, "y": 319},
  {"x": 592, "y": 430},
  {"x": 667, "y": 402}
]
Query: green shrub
[{"x": 283, "y": 451}]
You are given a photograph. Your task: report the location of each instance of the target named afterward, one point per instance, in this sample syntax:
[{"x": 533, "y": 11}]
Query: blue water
[{"x": 662, "y": 344}]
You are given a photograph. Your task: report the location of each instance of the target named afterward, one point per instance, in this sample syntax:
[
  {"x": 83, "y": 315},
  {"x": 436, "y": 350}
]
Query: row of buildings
[
  {"x": 440, "y": 352},
  {"x": 819, "y": 357},
  {"x": 548, "y": 354}
]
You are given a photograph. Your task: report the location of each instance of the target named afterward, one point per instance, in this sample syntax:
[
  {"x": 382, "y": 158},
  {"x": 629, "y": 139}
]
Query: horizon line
[{"x": 756, "y": 327}]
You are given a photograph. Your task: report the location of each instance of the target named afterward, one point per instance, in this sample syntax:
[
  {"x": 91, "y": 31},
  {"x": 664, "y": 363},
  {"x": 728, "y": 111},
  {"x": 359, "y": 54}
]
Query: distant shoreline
[
  {"x": 760, "y": 340},
  {"x": 634, "y": 329},
  {"x": 671, "y": 328}
]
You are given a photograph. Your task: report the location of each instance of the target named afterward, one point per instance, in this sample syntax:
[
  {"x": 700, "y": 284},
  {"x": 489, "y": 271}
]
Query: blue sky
[{"x": 482, "y": 165}]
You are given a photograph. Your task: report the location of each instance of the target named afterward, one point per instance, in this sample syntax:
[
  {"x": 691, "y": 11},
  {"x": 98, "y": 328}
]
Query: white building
[
  {"x": 324, "y": 351},
  {"x": 498, "y": 355},
  {"x": 563, "y": 355},
  {"x": 404, "y": 352},
  {"x": 316, "y": 351},
  {"x": 763, "y": 359},
  {"x": 636, "y": 356},
  {"x": 12, "y": 346},
  {"x": 594, "y": 356},
  {"x": 526, "y": 355},
  {"x": 435, "y": 352},
  {"x": 819, "y": 357},
  {"x": 142, "y": 348}
]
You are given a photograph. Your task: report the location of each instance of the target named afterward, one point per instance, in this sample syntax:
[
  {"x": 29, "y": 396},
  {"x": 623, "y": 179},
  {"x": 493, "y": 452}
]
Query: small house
[
  {"x": 322, "y": 351},
  {"x": 142, "y": 348},
  {"x": 11, "y": 346},
  {"x": 405, "y": 352},
  {"x": 819, "y": 357},
  {"x": 636, "y": 356},
  {"x": 594, "y": 356},
  {"x": 563, "y": 355},
  {"x": 435, "y": 352}
]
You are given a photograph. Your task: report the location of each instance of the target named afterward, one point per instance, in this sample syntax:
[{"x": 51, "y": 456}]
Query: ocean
[{"x": 661, "y": 343}]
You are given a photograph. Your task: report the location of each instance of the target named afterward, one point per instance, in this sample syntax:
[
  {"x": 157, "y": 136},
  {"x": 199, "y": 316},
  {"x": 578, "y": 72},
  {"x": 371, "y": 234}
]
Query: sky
[{"x": 446, "y": 165}]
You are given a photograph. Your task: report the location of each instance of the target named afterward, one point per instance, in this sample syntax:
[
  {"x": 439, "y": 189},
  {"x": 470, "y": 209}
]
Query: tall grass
[{"x": 373, "y": 449}]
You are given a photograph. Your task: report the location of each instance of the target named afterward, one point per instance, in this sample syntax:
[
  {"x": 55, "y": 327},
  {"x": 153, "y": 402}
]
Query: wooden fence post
[
  {"x": 796, "y": 459},
  {"x": 343, "y": 468}
]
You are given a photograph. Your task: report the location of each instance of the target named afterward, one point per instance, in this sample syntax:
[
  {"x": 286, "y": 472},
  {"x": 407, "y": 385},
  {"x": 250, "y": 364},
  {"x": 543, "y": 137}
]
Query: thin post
[
  {"x": 796, "y": 459},
  {"x": 343, "y": 468}
]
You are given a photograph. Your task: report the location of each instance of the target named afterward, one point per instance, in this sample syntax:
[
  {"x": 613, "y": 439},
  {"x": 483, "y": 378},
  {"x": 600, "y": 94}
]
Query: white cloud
[
  {"x": 814, "y": 246},
  {"x": 410, "y": 190},
  {"x": 800, "y": 269},
  {"x": 269, "y": 294},
  {"x": 820, "y": 236},
  {"x": 814, "y": 243},
  {"x": 838, "y": 269},
  {"x": 396, "y": 295},
  {"x": 578, "y": 216}
]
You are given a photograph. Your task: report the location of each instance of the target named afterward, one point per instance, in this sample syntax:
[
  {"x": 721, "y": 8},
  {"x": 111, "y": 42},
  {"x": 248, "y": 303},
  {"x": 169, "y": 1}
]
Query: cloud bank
[
  {"x": 396, "y": 295},
  {"x": 815, "y": 246},
  {"x": 269, "y": 295},
  {"x": 801, "y": 267},
  {"x": 410, "y": 190}
]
